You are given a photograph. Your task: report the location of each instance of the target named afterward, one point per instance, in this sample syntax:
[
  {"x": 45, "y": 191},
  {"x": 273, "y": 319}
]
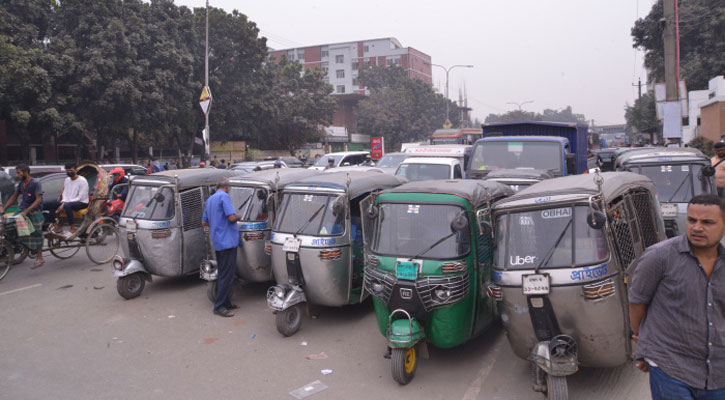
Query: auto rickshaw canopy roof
[
  {"x": 188, "y": 178},
  {"x": 664, "y": 155},
  {"x": 477, "y": 192},
  {"x": 524, "y": 173},
  {"x": 361, "y": 182},
  {"x": 269, "y": 176},
  {"x": 614, "y": 184}
]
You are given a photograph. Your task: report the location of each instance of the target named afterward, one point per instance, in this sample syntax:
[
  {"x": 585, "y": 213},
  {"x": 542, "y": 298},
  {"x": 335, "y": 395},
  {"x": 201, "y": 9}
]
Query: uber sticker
[
  {"x": 556, "y": 213},
  {"x": 414, "y": 209}
]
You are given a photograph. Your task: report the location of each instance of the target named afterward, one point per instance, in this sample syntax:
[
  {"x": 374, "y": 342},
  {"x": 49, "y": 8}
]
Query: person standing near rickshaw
[
  {"x": 221, "y": 218},
  {"x": 719, "y": 165},
  {"x": 30, "y": 192},
  {"x": 677, "y": 307}
]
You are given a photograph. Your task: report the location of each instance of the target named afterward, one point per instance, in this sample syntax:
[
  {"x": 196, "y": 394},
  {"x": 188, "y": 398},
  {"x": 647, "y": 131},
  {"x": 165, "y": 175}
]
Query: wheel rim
[
  {"x": 292, "y": 315},
  {"x": 409, "y": 364},
  {"x": 103, "y": 243},
  {"x": 133, "y": 283}
]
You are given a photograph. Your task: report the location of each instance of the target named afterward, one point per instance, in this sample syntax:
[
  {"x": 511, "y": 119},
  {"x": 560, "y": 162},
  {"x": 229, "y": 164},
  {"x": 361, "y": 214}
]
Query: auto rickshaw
[
  {"x": 316, "y": 243},
  {"x": 563, "y": 249},
  {"x": 256, "y": 195},
  {"x": 161, "y": 228},
  {"x": 428, "y": 262},
  {"x": 679, "y": 174}
]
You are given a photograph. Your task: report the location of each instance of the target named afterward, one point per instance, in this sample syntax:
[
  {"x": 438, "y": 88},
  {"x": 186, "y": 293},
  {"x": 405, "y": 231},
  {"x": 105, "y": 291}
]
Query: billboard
[{"x": 377, "y": 147}]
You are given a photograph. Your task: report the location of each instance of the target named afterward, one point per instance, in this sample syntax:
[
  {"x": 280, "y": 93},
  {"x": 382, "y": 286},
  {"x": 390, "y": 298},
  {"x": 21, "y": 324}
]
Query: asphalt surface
[{"x": 65, "y": 333}]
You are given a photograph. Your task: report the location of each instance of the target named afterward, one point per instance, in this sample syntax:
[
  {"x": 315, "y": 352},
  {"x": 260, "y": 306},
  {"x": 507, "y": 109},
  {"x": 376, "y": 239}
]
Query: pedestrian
[
  {"x": 30, "y": 192},
  {"x": 719, "y": 165},
  {"x": 223, "y": 165},
  {"x": 677, "y": 307},
  {"x": 73, "y": 198},
  {"x": 166, "y": 166},
  {"x": 221, "y": 217}
]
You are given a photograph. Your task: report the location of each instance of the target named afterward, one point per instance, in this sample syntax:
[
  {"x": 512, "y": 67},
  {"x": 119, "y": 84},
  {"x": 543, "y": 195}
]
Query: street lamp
[
  {"x": 448, "y": 70},
  {"x": 520, "y": 104}
]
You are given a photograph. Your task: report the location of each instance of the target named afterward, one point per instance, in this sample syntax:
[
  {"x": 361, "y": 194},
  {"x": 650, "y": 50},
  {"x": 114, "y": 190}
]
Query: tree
[
  {"x": 702, "y": 27},
  {"x": 561, "y": 115},
  {"x": 642, "y": 117},
  {"x": 399, "y": 108}
]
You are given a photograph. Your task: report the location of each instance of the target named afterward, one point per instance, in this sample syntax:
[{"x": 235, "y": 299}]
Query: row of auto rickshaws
[{"x": 442, "y": 260}]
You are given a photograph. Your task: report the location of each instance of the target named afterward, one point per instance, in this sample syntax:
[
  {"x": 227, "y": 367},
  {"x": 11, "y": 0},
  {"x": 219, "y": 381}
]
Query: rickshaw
[
  {"x": 679, "y": 174},
  {"x": 161, "y": 226},
  {"x": 428, "y": 262},
  {"x": 316, "y": 244},
  {"x": 97, "y": 232},
  {"x": 561, "y": 260},
  {"x": 256, "y": 196}
]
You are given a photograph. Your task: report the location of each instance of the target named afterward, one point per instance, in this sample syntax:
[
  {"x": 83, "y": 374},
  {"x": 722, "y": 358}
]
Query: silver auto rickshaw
[
  {"x": 679, "y": 174},
  {"x": 256, "y": 196},
  {"x": 317, "y": 246},
  {"x": 563, "y": 247},
  {"x": 160, "y": 226}
]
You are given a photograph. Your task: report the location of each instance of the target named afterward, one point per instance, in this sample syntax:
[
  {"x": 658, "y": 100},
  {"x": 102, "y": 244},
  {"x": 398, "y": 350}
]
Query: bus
[{"x": 456, "y": 136}]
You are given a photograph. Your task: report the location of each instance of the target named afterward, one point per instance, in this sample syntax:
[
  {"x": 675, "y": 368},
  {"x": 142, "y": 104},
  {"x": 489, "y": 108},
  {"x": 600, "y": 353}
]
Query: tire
[
  {"x": 556, "y": 388},
  {"x": 403, "y": 363},
  {"x": 20, "y": 253},
  {"x": 131, "y": 286},
  {"x": 289, "y": 321},
  {"x": 211, "y": 291},
  {"x": 103, "y": 242},
  {"x": 7, "y": 257},
  {"x": 62, "y": 253}
]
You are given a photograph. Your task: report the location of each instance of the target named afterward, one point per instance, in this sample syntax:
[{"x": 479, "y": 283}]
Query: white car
[
  {"x": 341, "y": 159},
  {"x": 430, "y": 168}
]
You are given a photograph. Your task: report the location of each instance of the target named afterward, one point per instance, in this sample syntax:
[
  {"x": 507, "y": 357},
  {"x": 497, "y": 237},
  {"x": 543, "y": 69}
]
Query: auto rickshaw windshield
[
  {"x": 141, "y": 203},
  {"x": 406, "y": 230},
  {"x": 248, "y": 202},
  {"x": 675, "y": 183},
  {"x": 526, "y": 239},
  {"x": 310, "y": 214}
]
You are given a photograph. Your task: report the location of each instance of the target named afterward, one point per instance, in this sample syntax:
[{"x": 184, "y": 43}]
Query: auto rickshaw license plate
[
  {"x": 669, "y": 210},
  {"x": 291, "y": 245},
  {"x": 130, "y": 226},
  {"x": 406, "y": 270},
  {"x": 535, "y": 284}
]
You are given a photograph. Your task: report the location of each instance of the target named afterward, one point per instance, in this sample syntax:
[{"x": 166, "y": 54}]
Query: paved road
[{"x": 66, "y": 334}]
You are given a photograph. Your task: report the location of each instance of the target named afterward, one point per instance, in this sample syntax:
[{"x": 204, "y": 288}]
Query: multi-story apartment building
[{"x": 340, "y": 61}]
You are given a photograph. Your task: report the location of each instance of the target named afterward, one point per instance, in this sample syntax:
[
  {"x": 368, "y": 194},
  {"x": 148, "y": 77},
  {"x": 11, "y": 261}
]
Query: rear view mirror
[
  {"x": 338, "y": 208},
  {"x": 708, "y": 171},
  {"x": 596, "y": 220},
  {"x": 484, "y": 226},
  {"x": 459, "y": 222},
  {"x": 261, "y": 194}
]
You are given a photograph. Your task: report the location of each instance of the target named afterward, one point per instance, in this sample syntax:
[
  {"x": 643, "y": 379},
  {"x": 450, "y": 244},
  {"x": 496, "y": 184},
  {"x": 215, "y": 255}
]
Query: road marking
[
  {"x": 475, "y": 388},
  {"x": 21, "y": 289}
]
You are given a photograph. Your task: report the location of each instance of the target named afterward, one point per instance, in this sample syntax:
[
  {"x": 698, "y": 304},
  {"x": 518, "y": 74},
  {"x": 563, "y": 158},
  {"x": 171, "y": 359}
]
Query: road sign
[
  {"x": 377, "y": 147},
  {"x": 205, "y": 99}
]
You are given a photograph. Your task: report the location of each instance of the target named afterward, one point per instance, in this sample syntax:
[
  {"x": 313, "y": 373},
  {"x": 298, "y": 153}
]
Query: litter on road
[
  {"x": 318, "y": 356},
  {"x": 308, "y": 390}
]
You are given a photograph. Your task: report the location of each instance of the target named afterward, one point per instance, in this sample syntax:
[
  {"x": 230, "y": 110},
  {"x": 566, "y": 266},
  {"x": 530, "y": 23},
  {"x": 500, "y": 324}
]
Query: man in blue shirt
[{"x": 221, "y": 217}]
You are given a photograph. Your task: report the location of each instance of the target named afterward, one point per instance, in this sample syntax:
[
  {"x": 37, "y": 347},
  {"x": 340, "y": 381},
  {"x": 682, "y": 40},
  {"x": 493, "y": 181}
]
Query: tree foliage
[
  {"x": 702, "y": 28},
  {"x": 561, "y": 115},
  {"x": 642, "y": 116},
  {"x": 129, "y": 73},
  {"x": 399, "y": 108}
]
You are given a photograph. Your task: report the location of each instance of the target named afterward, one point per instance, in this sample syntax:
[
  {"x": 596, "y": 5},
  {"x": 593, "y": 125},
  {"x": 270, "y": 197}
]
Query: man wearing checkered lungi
[{"x": 30, "y": 192}]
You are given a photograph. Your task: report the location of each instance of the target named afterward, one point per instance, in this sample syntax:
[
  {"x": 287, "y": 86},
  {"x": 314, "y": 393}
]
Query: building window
[
  {"x": 355, "y": 65},
  {"x": 366, "y": 49},
  {"x": 340, "y": 88},
  {"x": 340, "y": 73},
  {"x": 339, "y": 59},
  {"x": 392, "y": 61},
  {"x": 324, "y": 53},
  {"x": 355, "y": 82}
]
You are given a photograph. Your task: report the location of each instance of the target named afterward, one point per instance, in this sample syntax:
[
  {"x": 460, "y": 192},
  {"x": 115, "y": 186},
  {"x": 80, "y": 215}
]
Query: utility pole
[
  {"x": 206, "y": 156},
  {"x": 448, "y": 70},
  {"x": 639, "y": 88},
  {"x": 672, "y": 113}
]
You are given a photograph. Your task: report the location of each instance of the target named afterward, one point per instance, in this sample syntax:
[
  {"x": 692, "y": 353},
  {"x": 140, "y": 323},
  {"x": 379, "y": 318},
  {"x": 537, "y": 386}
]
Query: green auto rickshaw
[{"x": 428, "y": 248}]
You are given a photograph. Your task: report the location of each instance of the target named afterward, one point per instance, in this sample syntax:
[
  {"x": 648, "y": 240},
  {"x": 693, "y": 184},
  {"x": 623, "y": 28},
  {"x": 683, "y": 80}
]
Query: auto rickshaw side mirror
[
  {"x": 708, "y": 171},
  {"x": 596, "y": 220},
  {"x": 159, "y": 197},
  {"x": 338, "y": 208},
  {"x": 485, "y": 228},
  {"x": 372, "y": 211},
  {"x": 459, "y": 222},
  {"x": 262, "y": 194}
]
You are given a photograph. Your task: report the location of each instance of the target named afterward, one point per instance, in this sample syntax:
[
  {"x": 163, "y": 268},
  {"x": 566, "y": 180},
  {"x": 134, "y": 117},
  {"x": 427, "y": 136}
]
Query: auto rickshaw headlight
[
  {"x": 118, "y": 263},
  {"x": 279, "y": 292},
  {"x": 442, "y": 294},
  {"x": 378, "y": 287}
]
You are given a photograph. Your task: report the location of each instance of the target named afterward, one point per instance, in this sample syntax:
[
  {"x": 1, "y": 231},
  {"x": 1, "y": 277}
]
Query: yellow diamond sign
[{"x": 205, "y": 99}]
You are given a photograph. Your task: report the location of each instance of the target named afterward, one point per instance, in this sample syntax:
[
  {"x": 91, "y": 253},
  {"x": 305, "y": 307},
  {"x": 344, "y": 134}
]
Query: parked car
[
  {"x": 389, "y": 163},
  {"x": 129, "y": 169},
  {"x": 430, "y": 168},
  {"x": 291, "y": 162},
  {"x": 342, "y": 159},
  {"x": 33, "y": 169},
  {"x": 249, "y": 166}
]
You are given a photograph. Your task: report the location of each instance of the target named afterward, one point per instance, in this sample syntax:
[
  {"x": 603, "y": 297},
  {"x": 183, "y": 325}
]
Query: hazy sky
[{"x": 554, "y": 52}]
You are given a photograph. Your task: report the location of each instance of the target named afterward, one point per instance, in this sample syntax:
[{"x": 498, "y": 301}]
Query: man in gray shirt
[{"x": 677, "y": 307}]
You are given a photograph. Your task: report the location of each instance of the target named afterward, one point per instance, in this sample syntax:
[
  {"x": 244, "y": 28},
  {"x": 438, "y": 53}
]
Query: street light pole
[
  {"x": 520, "y": 104},
  {"x": 206, "y": 84},
  {"x": 448, "y": 70}
]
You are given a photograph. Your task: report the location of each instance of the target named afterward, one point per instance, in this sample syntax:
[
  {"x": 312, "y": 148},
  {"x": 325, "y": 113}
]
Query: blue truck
[{"x": 555, "y": 147}]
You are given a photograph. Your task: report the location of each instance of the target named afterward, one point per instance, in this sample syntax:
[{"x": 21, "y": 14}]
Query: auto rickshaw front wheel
[
  {"x": 289, "y": 320},
  {"x": 556, "y": 388},
  {"x": 404, "y": 362},
  {"x": 131, "y": 286}
]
